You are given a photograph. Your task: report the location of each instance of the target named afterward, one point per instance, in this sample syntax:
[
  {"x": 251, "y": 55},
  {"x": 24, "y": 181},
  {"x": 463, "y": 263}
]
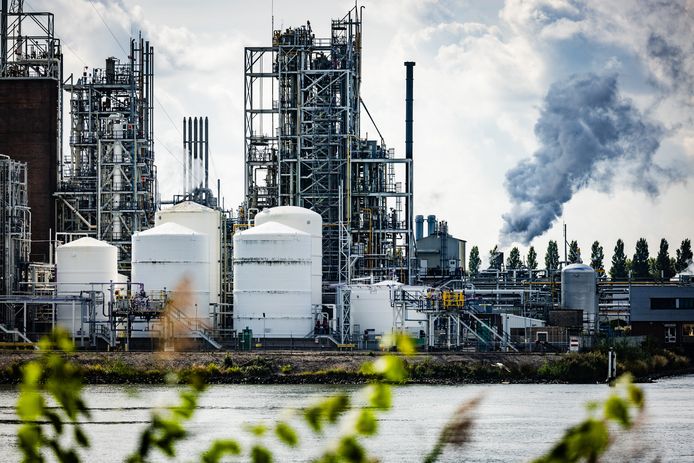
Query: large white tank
[
  {"x": 307, "y": 221},
  {"x": 272, "y": 281},
  {"x": 166, "y": 256},
  {"x": 79, "y": 264},
  {"x": 371, "y": 308},
  {"x": 202, "y": 220},
  {"x": 579, "y": 292}
]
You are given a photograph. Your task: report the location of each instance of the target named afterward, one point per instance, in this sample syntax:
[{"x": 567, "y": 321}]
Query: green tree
[
  {"x": 574, "y": 253},
  {"x": 663, "y": 264},
  {"x": 475, "y": 261},
  {"x": 496, "y": 259},
  {"x": 532, "y": 258},
  {"x": 597, "y": 256},
  {"x": 552, "y": 256},
  {"x": 618, "y": 271},
  {"x": 514, "y": 260},
  {"x": 639, "y": 263},
  {"x": 684, "y": 255}
]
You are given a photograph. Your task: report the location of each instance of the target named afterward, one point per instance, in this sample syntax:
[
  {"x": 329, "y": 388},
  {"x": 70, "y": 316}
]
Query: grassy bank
[{"x": 347, "y": 368}]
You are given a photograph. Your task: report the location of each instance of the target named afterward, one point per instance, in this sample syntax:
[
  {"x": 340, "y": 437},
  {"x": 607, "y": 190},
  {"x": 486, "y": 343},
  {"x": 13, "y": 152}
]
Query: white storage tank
[
  {"x": 78, "y": 264},
  {"x": 579, "y": 292},
  {"x": 200, "y": 219},
  {"x": 165, "y": 256},
  {"x": 307, "y": 221},
  {"x": 272, "y": 281}
]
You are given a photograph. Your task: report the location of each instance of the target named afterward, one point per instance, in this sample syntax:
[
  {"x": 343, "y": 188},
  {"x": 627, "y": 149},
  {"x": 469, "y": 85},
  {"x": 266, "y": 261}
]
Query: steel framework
[
  {"x": 108, "y": 186},
  {"x": 303, "y": 148},
  {"x": 15, "y": 227}
]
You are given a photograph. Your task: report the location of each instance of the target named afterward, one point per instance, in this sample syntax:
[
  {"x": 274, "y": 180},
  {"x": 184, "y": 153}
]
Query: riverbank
[{"x": 311, "y": 367}]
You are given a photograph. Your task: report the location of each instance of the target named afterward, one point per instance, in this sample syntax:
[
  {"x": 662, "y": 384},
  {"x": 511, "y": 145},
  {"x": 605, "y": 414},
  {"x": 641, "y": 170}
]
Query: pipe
[
  {"x": 409, "y": 171},
  {"x": 419, "y": 227},
  {"x": 207, "y": 155},
  {"x": 185, "y": 150}
]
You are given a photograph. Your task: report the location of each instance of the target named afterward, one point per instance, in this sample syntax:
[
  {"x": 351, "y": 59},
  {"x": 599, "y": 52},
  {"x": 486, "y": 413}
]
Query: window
[
  {"x": 542, "y": 336},
  {"x": 686, "y": 303},
  {"x": 688, "y": 331},
  {"x": 663, "y": 303}
]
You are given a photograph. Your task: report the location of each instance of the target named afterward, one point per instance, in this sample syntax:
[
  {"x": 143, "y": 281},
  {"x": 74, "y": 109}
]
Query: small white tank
[
  {"x": 307, "y": 221},
  {"x": 272, "y": 281},
  {"x": 164, "y": 257},
  {"x": 579, "y": 292},
  {"x": 202, "y": 220},
  {"x": 78, "y": 264}
]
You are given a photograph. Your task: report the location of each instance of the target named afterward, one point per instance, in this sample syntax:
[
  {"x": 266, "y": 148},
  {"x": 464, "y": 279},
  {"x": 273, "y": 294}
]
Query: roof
[
  {"x": 169, "y": 228},
  {"x": 271, "y": 228},
  {"x": 87, "y": 242},
  {"x": 578, "y": 268},
  {"x": 187, "y": 206}
]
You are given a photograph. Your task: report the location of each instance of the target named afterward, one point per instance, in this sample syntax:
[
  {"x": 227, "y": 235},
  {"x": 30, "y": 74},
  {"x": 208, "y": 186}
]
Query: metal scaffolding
[
  {"x": 107, "y": 185},
  {"x": 303, "y": 148},
  {"x": 28, "y": 47},
  {"x": 15, "y": 229}
]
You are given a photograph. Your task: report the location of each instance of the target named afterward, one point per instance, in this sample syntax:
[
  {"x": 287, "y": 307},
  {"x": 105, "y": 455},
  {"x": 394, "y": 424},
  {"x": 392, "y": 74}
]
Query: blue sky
[{"x": 484, "y": 69}]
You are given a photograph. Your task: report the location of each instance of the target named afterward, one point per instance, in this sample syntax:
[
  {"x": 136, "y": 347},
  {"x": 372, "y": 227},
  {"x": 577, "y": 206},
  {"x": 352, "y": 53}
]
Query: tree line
[{"x": 642, "y": 266}]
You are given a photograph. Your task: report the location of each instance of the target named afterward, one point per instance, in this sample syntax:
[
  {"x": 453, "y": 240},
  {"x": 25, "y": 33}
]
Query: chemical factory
[{"x": 323, "y": 251}]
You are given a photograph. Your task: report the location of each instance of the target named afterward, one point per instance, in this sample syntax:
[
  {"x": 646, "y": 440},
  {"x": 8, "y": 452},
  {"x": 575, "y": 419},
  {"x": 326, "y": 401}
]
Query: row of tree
[{"x": 642, "y": 266}]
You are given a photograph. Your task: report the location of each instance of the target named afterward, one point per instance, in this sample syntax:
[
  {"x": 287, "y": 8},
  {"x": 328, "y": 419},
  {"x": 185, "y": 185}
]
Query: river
[{"x": 514, "y": 423}]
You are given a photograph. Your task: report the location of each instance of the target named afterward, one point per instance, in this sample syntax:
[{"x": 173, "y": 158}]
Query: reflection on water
[{"x": 515, "y": 422}]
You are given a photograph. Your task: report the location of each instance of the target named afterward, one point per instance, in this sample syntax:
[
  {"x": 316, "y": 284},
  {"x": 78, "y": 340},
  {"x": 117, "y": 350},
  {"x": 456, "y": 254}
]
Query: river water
[{"x": 514, "y": 422}]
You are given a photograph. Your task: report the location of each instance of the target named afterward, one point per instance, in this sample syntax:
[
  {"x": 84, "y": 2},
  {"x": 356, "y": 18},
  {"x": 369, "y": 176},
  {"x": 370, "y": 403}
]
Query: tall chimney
[{"x": 409, "y": 171}]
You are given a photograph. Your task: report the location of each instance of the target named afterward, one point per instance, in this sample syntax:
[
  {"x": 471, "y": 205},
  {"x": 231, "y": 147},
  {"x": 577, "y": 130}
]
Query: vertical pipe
[
  {"x": 189, "y": 157},
  {"x": 201, "y": 150},
  {"x": 409, "y": 171},
  {"x": 195, "y": 153},
  {"x": 185, "y": 150},
  {"x": 207, "y": 155}
]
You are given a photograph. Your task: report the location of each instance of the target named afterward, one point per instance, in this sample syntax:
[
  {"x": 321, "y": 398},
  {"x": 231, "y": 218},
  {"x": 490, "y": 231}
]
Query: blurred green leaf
[
  {"x": 379, "y": 396},
  {"x": 391, "y": 368},
  {"x": 366, "y": 424},
  {"x": 286, "y": 434},
  {"x": 260, "y": 454}
]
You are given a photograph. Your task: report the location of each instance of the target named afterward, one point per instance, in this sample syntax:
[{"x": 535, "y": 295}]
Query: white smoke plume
[{"x": 586, "y": 131}]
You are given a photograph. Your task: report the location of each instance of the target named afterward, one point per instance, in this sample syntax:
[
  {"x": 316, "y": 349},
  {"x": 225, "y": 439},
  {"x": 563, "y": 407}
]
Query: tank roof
[
  {"x": 269, "y": 228},
  {"x": 169, "y": 228},
  {"x": 578, "y": 268},
  {"x": 188, "y": 206},
  {"x": 86, "y": 242},
  {"x": 289, "y": 210}
]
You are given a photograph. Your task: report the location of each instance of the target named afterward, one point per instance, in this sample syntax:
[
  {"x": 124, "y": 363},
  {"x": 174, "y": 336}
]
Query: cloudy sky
[{"x": 527, "y": 113}]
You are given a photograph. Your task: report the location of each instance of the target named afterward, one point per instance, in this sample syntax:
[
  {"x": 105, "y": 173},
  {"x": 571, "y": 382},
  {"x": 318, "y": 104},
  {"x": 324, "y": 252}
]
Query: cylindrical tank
[
  {"x": 419, "y": 227},
  {"x": 273, "y": 281},
  {"x": 307, "y": 221},
  {"x": 171, "y": 257},
  {"x": 579, "y": 292},
  {"x": 431, "y": 225},
  {"x": 78, "y": 264},
  {"x": 204, "y": 220}
]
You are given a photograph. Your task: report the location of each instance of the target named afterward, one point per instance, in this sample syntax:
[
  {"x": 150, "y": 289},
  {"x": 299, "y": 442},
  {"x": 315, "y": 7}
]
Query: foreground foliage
[{"x": 56, "y": 432}]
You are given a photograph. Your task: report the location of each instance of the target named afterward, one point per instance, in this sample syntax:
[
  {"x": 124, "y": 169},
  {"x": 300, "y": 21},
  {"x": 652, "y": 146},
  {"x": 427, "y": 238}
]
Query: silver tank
[{"x": 579, "y": 292}]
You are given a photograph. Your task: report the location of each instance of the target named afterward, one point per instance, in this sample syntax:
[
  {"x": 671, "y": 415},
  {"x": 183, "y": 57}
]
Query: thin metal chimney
[{"x": 409, "y": 170}]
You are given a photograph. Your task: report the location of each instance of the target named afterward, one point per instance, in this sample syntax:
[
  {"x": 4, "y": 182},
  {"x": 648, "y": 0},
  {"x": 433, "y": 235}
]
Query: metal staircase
[
  {"x": 193, "y": 325},
  {"x": 19, "y": 334}
]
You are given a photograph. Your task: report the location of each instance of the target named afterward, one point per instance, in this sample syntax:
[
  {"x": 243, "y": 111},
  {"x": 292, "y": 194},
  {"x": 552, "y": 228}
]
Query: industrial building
[
  {"x": 303, "y": 147},
  {"x": 440, "y": 255},
  {"x": 322, "y": 252}
]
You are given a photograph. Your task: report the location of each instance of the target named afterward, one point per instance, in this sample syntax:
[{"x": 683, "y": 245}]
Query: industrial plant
[{"x": 323, "y": 251}]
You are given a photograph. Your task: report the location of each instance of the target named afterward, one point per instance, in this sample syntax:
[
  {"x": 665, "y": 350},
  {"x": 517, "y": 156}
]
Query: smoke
[{"x": 587, "y": 132}]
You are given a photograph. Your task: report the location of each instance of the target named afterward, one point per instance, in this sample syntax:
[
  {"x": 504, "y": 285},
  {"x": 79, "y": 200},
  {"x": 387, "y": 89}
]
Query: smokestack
[
  {"x": 207, "y": 156},
  {"x": 419, "y": 227},
  {"x": 189, "y": 156},
  {"x": 409, "y": 72},
  {"x": 431, "y": 225},
  {"x": 409, "y": 171}
]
